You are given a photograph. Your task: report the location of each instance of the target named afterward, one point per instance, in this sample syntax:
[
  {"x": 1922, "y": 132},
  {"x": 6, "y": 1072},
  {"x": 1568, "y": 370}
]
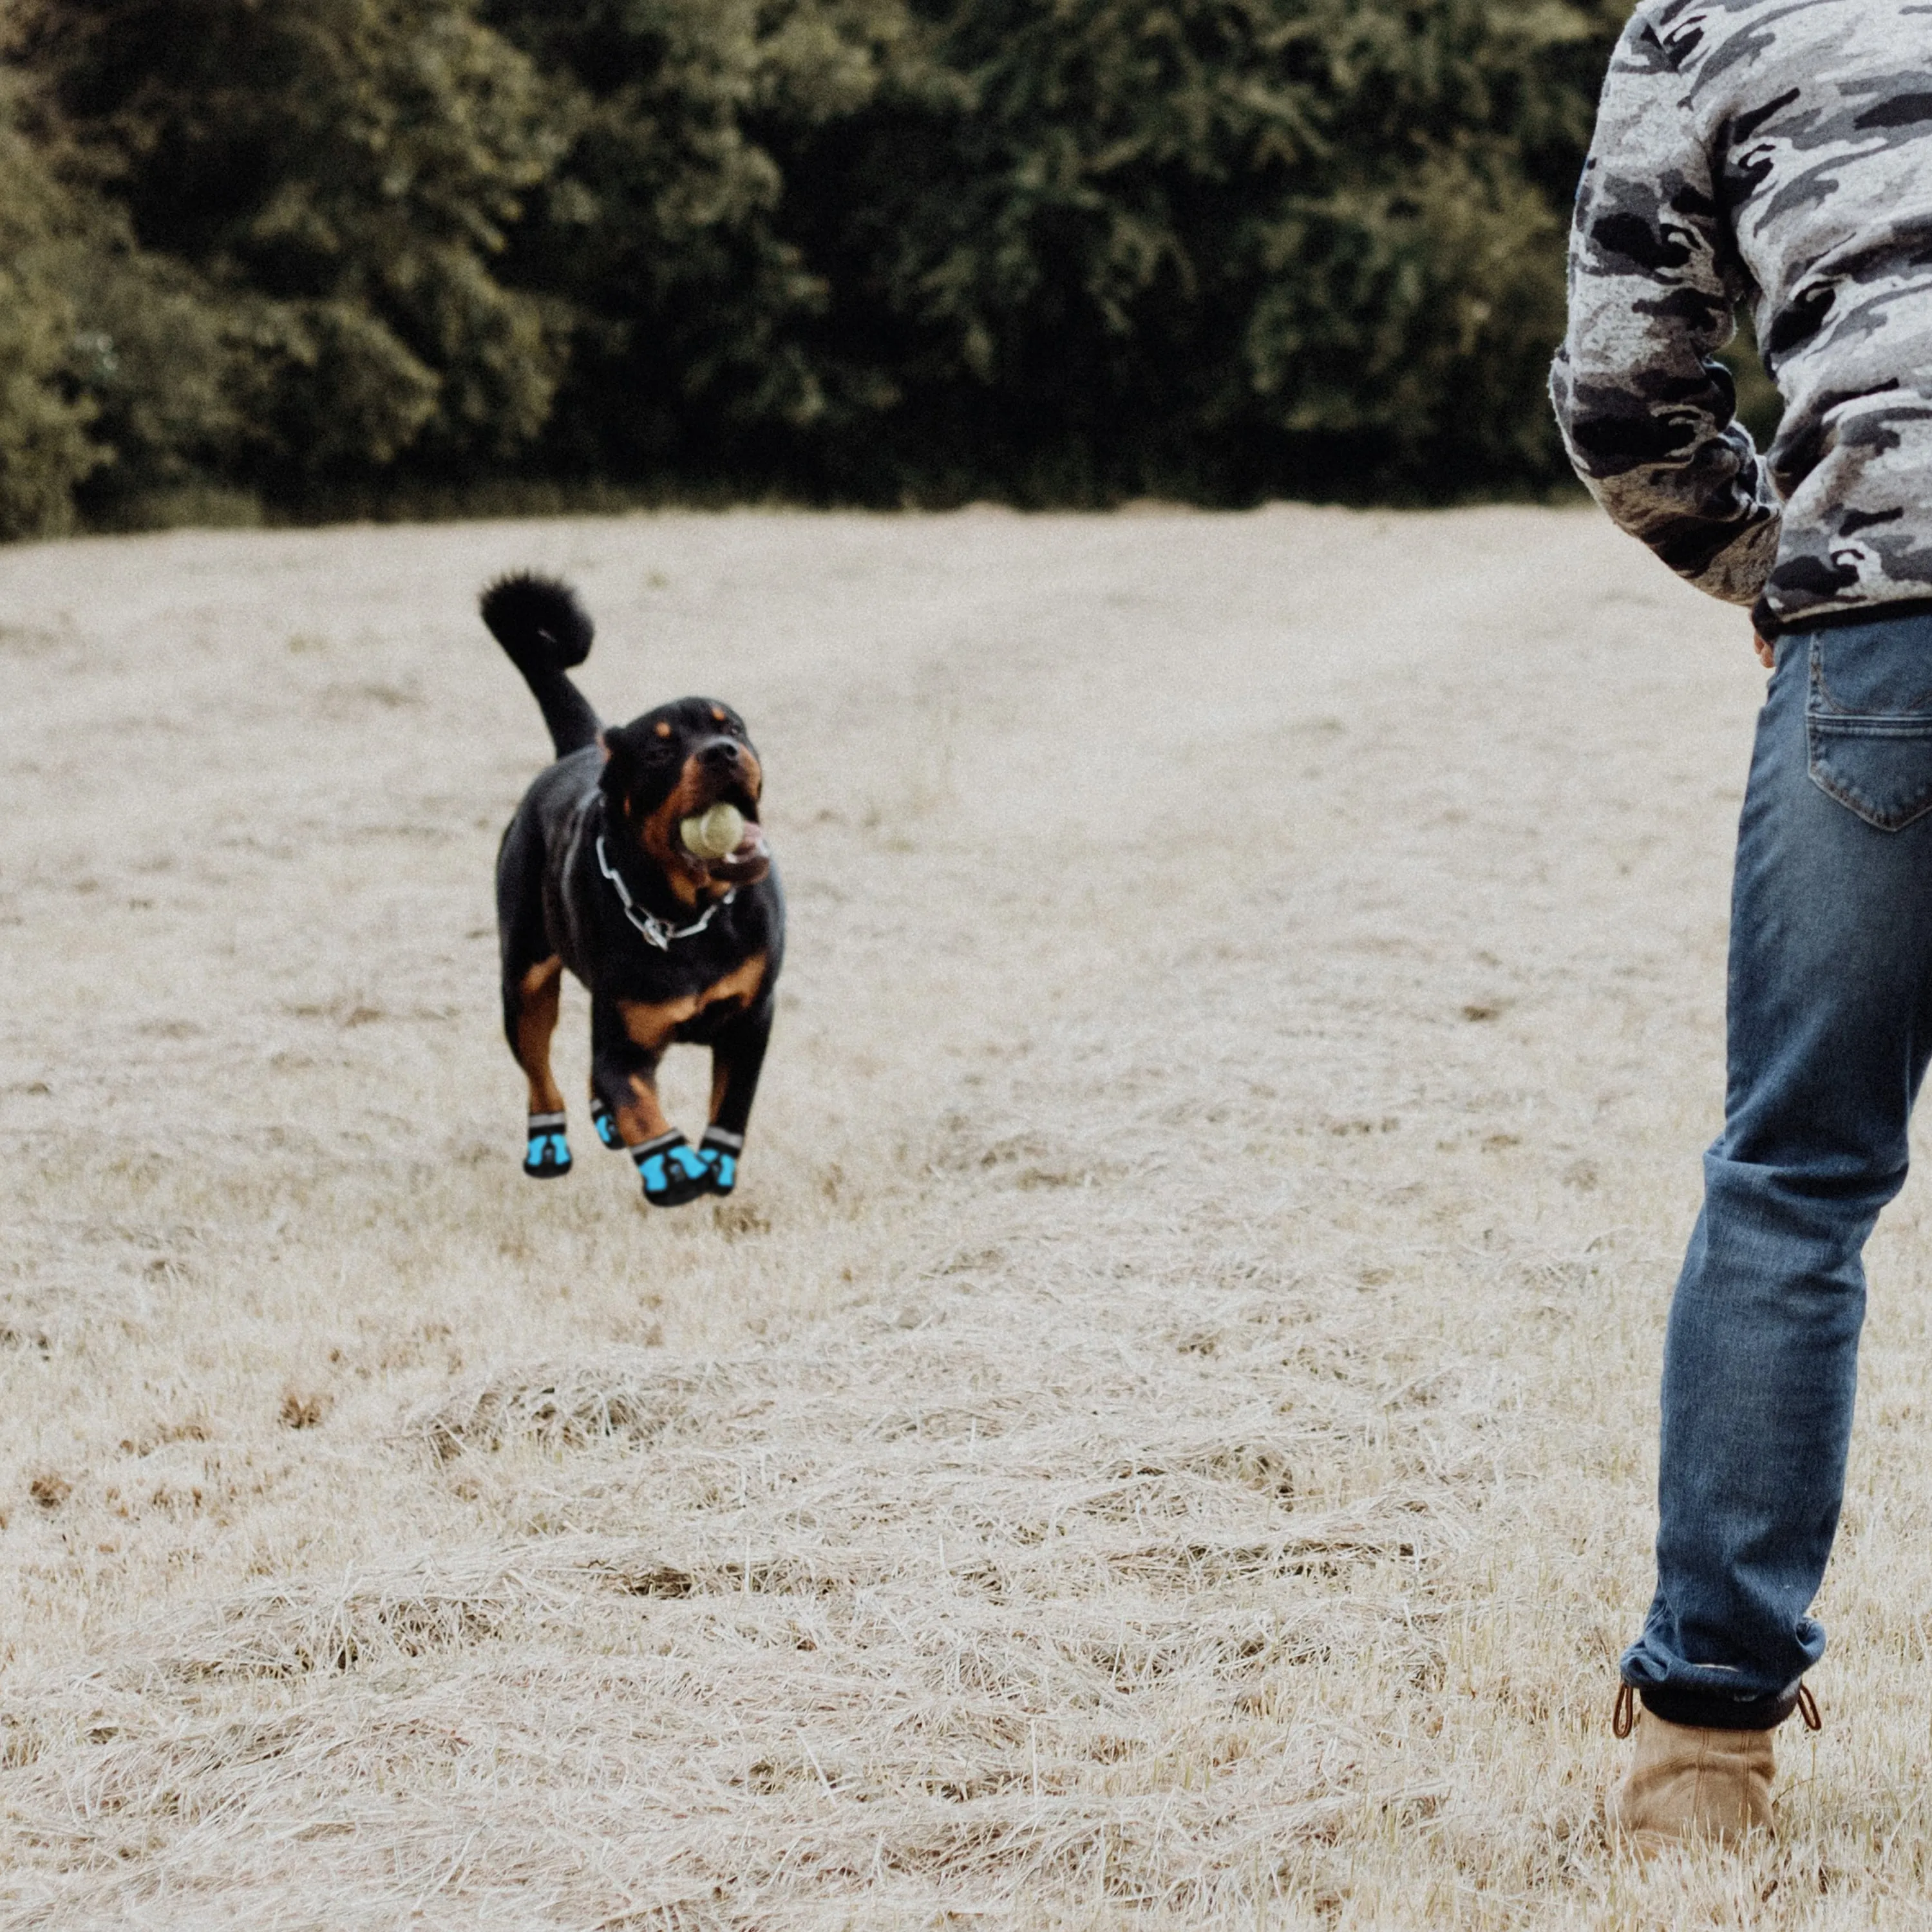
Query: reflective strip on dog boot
[
  {"x": 605, "y": 1122},
  {"x": 719, "y": 1150},
  {"x": 671, "y": 1170},
  {"x": 546, "y": 1154}
]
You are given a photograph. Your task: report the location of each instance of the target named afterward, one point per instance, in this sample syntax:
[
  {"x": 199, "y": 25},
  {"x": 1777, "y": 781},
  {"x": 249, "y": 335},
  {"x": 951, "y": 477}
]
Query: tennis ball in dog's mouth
[{"x": 714, "y": 834}]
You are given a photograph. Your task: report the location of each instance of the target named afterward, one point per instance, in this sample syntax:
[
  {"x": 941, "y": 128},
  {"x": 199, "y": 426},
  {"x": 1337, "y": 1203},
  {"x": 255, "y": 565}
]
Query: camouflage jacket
[{"x": 1777, "y": 152}]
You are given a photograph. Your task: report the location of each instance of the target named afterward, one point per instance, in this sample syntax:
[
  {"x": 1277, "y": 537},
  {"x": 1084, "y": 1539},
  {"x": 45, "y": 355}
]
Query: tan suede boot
[{"x": 1686, "y": 1783}]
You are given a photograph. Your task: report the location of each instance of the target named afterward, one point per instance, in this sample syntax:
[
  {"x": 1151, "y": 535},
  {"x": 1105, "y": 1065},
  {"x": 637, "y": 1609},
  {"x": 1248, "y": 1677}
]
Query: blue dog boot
[
  {"x": 671, "y": 1170},
  {"x": 605, "y": 1122},
  {"x": 548, "y": 1154},
  {"x": 719, "y": 1151}
]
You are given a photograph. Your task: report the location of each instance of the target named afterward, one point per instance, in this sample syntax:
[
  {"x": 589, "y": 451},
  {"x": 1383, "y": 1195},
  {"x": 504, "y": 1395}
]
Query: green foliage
[
  {"x": 44, "y": 447},
  {"x": 1056, "y": 250},
  {"x": 1760, "y": 408},
  {"x": 669, "y": 227},
  {"x": 167, "y": 391},
  {"x": 1210, "y": 246},
  {"x": 330, "y": 180}
]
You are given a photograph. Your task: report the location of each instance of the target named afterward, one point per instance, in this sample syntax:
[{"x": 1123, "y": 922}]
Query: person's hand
[{"x": 1767, "y": 654}]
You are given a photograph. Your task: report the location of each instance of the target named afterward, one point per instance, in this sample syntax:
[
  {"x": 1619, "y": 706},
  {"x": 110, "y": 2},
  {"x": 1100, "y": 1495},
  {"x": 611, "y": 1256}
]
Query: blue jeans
[{"x": 1830, "y": 1026}]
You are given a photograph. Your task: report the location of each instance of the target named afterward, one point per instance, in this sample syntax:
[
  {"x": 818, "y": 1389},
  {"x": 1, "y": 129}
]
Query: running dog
[{"x": 637, "y": 861}]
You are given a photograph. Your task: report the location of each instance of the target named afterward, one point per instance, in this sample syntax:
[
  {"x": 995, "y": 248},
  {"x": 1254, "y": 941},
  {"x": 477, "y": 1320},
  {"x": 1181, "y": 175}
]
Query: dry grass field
[{"x": 1162, "y": 1436}]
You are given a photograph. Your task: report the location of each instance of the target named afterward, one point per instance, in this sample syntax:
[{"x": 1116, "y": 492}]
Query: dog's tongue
[{"x": 752, "y": 844}]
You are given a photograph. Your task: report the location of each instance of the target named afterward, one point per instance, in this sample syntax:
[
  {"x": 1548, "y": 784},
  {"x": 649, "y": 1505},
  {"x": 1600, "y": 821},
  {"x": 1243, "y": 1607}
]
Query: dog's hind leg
[
  {"x": 736, "y": 1060},
  {"x": 530, "y": 1002},
  {"x": 532, "y": 981}
]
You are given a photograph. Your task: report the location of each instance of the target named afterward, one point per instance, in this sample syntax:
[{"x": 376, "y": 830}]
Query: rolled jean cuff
[{"x": 1711, "y": 1711}]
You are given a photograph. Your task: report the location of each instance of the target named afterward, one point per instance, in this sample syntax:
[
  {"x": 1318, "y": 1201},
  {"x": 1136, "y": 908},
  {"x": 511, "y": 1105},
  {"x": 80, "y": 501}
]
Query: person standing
[{"x": 1777, "y": 155}]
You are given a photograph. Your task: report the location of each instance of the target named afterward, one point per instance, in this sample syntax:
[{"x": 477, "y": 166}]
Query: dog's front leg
[
  {"x": 737, "y": 1059},
  {"x": 627, "y": 1041}
]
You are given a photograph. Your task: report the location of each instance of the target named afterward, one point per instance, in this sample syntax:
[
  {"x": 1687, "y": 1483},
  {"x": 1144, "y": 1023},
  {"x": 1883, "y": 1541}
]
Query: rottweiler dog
[{"x": 604, "y": 871}]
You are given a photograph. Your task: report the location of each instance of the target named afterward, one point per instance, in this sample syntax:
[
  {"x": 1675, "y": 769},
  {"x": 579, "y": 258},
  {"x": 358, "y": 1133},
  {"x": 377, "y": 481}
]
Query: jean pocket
[{"x": 1867, "y": 747}]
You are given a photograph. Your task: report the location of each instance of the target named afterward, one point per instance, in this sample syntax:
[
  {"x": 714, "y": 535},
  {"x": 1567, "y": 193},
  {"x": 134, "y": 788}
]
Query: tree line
[{"x": 312, "y": 256}]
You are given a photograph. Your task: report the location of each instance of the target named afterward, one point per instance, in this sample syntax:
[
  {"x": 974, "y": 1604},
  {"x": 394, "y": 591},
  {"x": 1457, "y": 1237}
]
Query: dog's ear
[
  {"x": 641, "y": 763},
  {"x": 619, "y": 770}
]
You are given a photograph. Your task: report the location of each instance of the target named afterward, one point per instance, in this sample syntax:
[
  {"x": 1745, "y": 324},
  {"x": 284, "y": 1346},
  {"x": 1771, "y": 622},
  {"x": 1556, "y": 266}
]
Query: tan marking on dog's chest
[{"x": 651, "y": 1024}]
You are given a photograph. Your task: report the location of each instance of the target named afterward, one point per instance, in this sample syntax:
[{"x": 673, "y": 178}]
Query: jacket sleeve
[{"x": 1648, "y": 414}]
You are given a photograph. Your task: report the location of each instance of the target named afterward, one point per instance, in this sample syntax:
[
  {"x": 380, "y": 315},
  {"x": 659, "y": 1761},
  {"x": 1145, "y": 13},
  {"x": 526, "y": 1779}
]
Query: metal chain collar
[{"x": 655, "y": 931}]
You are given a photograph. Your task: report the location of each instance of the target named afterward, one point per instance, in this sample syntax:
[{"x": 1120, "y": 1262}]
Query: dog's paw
[
  {"x": 605, "y": 1122},
  {"x": 672, "y": 1170},
  {"x": 547, "y": 1154},
  {"x": 719, "y": 1151}
]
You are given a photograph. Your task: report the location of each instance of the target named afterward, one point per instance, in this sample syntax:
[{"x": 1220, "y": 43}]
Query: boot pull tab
[
  {"x": 1808, "y": 1709},
  {"x": 1623, "y": 1717}
]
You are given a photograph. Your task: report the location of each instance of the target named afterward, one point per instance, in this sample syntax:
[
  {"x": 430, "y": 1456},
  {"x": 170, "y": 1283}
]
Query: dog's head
[{"x": 675, "y": 763}]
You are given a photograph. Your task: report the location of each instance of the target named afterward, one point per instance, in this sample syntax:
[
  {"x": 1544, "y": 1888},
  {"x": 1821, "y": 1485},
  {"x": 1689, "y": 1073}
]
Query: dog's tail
[{"x": 545, "y": 632}]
